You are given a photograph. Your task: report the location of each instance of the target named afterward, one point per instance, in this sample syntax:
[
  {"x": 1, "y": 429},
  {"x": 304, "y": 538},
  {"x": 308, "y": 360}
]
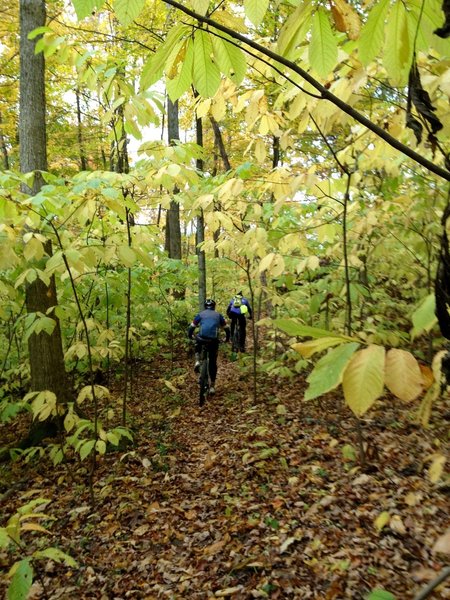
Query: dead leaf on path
[
  {"x": 210, "y": 460},
  {"x": 413, "y": 499},
  {"x": 285, "y": 545},
  {"x": 397, "y": 525},
  {"x": 423, "y": 574},
  {"x": 362, "y": 479},
  {"x": 214, "y": 548},
  {"x": 142, "y": 530},
  {"x": 190, "y": 515},
  {"x": 228, "y": 591},
  {"x": 442, "y": 544}
]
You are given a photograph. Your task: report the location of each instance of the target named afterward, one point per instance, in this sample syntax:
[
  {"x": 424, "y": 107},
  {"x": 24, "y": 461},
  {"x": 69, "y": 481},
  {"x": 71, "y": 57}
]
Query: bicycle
[
  {"x": 236, "y": 340},
  {"x": 204, "y": 378}
]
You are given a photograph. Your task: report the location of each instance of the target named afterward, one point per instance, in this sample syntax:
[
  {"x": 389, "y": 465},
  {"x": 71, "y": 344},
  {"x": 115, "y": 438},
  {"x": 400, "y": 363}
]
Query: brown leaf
[
  {"x": 214, "y": 548},
  {"x": 442, "y": 544}
]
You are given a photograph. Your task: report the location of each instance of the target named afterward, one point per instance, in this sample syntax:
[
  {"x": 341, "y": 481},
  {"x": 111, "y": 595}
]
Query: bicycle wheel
[
  {"x": 236, "y": 340},
  {"x": 204, "y": 379}
]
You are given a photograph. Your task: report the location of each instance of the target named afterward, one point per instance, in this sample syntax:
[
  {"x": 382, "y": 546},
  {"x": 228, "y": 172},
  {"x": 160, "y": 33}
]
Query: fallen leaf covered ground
[{"x": 242, "y": 498}]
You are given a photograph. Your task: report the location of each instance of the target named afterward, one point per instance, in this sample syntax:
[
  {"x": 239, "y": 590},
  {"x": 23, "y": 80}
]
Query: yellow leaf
[
  {"x": 33, "y": 527},
  {"x": 170, "y": 385},
  {"x": 436, "y": 468},
  {"x": 346, "y": 19},
  {"x": 307, "y": 349},
  {"x": 127, "y": 255},
  {"x": 363, "y": 379},
  {"x": 33, "y": 249},
  {"x": 266, "y": 262},
  {"x": 403, "y": 376},
  {"x": 260, "y": 151},
  {"x": 203, "y": 108},
  {"x": 382, "y": 520}
]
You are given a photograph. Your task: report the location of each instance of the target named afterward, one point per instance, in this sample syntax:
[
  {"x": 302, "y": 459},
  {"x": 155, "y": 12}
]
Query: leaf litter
[{"x": 246, "y": 499}]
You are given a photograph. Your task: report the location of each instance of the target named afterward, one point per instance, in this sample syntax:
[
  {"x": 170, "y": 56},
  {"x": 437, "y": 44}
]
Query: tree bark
[
  {"x": 45, "y": 351},
  {"x": 200, "y": 231},
  {"x": 173, "y": 229},
  {"x": 3, "y": 147}
]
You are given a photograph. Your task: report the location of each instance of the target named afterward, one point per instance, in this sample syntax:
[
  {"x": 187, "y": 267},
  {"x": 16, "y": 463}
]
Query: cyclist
[
  {"x": 237, "y": 310},
  {"x": 209, "y": 322}
]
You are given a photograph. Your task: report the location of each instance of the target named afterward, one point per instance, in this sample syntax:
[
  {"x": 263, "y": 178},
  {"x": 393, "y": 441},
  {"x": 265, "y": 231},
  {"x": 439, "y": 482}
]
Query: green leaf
[
  {"x": 328, "y": 372},
  {"x": 363, "y": 379},
  {"x": 372, "y": 34},
  {"x": 57, "y": 555},
  {"x": 379, "y": 594},
  {"x": 128, "y": 10},
  {"x": 255, "y": 10},
  {"x": 294, "y": 29},
  {"x": 84, "y": 8},
  {"x": 323, "y": 50},
  {"x": 4, "y": 538},
  {"x": 200, "y": 6},
  {"x": 424, "y": 317},
  {"x": 397, "y": 57},
  {"x": 230, "y": 59},
  {"x": 86, "y": 448},
  {"x": 206, "y": 73},
  {"x": 154, "y": 67},
  {"x": 127, "y": 255},
  {"x": 21, "y": 580},
  {"x": 180, "y": 83},
  {"x": 293, "y": 327}
]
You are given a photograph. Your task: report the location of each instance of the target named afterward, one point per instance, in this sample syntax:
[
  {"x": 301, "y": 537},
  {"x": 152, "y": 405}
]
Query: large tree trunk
[
  {"x": 45, "y": 351},
  {"x": 173, "y": 229},
  {"x": 200, "y": 231}
]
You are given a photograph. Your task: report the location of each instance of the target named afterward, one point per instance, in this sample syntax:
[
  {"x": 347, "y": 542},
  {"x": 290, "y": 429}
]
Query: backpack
[{"x": 237, "y": 301}]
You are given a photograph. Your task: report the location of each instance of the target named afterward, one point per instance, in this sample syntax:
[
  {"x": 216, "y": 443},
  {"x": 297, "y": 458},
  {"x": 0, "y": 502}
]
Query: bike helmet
[{"x": 210, "y": 303}]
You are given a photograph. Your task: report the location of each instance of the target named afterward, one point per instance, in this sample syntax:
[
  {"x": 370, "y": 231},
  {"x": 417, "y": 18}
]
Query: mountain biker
[
  {"x": 237, "y": 310},
  {"x": 209, "y": 322}
]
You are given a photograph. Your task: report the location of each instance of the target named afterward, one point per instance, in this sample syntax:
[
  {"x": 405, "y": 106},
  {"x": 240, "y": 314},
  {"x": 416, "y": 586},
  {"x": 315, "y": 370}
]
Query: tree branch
[{"x": 324, "y": 93}]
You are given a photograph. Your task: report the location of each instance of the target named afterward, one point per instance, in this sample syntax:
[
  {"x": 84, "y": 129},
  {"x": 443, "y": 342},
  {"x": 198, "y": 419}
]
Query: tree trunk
[
  {"x": 45, "y": 351},
  {"x": 200, "y": 232},
  {"x": 173, "y": 229},
  {"x": 3, "y": 147}
]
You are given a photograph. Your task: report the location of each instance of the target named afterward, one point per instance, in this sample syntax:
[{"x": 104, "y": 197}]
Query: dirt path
[{"x": 243, "y": 500}]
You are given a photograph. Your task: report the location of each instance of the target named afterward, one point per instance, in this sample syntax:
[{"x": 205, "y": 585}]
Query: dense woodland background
[{"x": 155, "y": 153}]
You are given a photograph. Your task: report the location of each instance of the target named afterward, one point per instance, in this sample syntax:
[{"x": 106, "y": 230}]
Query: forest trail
[{"x": 242, "y": 499}]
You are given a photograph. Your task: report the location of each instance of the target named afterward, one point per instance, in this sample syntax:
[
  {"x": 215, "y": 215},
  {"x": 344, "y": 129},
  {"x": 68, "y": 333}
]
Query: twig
[{"x": 433, "y": 584}]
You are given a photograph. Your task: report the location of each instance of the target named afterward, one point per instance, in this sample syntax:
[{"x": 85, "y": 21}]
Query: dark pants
[
  {"x": 242, "y": 326},
  {"x": 212, "y": 348}
]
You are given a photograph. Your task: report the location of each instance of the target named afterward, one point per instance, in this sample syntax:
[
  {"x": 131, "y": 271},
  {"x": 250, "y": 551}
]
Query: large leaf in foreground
[
  {"x": 363, "y": 379},
  {"x": 403, "y": 375},
  {"x": 327, "y": 373}
]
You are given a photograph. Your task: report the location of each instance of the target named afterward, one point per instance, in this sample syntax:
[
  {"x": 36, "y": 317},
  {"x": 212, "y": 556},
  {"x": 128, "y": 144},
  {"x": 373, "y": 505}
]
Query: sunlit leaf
[
  {"x": 403, "y": 376},
  {"x": 206, "y": 74},
  {"x": 372, "y": 33},
  {"x": 323, "y": 47},
  {"x": 363, "y": 380},
  {"x": 128, "y": 10},
  {"x": 255, "y": 10}
]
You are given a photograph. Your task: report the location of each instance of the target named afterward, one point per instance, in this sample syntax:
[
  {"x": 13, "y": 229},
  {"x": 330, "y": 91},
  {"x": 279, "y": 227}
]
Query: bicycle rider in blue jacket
[
  {"x": 237, "y": 310},
  {"x": 209, "y": 322}
]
